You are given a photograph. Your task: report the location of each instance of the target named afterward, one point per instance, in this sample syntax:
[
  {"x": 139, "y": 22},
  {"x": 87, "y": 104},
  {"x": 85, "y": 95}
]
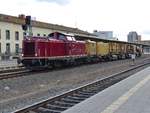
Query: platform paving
[
  {"x": 8, "y": 63},
  {"x": 131, "y": 95}
]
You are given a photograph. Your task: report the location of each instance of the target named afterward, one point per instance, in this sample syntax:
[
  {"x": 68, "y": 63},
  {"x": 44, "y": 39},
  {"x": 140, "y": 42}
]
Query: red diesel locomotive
[{"x": 56, "y": 49}]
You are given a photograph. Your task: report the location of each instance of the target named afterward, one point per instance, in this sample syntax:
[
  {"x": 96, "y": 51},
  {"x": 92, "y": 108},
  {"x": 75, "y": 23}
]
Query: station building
[
  {"x": 11, "y": 33},
  {"x": 146, "y": 49},
  {"x": 134, "y": 37},
  {"x": 104, "y": 35}
]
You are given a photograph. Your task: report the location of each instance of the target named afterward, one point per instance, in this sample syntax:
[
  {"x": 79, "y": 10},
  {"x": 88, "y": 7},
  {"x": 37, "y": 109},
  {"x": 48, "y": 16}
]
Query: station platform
[
  {"x": 131, "y": 95},
  {"x": 8, "y": 63}
]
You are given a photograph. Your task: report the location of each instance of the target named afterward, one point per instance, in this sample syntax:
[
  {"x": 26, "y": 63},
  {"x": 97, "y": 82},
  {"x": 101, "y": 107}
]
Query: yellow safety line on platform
[{"x": 122, "y": 99}]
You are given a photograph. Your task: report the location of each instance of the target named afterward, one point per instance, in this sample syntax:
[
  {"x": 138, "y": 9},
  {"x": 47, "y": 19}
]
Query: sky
[{"x": 119, "y": 16}]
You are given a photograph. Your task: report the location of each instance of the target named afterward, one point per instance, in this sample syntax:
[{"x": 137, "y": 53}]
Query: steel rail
[
  {"x": 15, "y": 73},
  {"x": 9, "y": 68}
]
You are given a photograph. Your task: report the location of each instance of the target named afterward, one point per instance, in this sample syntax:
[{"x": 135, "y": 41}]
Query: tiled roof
[{"x": 17, "y": 20}]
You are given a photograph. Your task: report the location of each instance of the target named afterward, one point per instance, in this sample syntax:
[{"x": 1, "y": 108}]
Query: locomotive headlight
[
  {"x": 22, "y": 55},
  {"x": 35, "y": 54}
]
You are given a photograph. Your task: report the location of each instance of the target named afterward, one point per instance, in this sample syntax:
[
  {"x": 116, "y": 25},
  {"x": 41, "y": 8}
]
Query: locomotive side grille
[{"x": 29, "y": 48}]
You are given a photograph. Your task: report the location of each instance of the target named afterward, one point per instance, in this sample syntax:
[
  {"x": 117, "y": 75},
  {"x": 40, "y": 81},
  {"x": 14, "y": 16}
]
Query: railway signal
[{"x": 27, "y": 27}]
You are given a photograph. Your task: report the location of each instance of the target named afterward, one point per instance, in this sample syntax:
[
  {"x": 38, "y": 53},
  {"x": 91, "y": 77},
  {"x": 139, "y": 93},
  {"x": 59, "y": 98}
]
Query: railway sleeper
[
  {"x": 64, "y": 103},
  {"x": 70, "y": 100},
  {"x": 95, "y": 85},
  {"x": 81, "y": 95},
  {"x": 56, "y": 107},
  {"x": 59, "y": 103},
  {"x": 90, "y": 91},
  {"x": 92, "y": 88},
  {"x": 94, "y": 91},
  {"x": 76, "y": 98},
  {"x": 45, "y": 110},
  {"x": 98, "y": 88},
  {"x": 86, "y": 93},
  {"x": 32, "y": 112}
]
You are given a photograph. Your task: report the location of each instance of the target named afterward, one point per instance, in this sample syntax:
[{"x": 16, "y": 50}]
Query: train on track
[{"x": 62, "y": 49}]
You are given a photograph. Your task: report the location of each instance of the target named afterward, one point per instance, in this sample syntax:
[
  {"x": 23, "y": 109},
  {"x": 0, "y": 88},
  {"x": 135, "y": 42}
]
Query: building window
[
  {"x": 0, "y": 33},
  {"x": 0, "y": 49},
  {"x": 24, "y": 34},
  {"x": 38, "y": 34},
  {"x": 147, "y": 50},
  {"x": 17, "y": 48},
  {"x": 44, "y": 34},
  {"x": 7, "y": 35},
  {"x": 16, "y": 35},
  {"x": 7, "y": 48}
]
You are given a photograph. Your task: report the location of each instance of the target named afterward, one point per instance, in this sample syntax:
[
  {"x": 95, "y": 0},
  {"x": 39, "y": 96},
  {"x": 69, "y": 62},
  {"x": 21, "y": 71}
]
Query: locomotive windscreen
[{"x": 29, "y": 48}]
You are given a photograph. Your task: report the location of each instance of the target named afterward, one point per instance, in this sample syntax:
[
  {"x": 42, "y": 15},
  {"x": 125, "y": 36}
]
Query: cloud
[{"x": 59, "y": 2}]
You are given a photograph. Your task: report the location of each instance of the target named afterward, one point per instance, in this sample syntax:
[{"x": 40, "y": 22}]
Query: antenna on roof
[{"x": 76, "y": 22}]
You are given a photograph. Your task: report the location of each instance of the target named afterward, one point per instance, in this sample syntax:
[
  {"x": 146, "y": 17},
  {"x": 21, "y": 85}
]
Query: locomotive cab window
[
  {"x": 51, "y": 35},
  {"x": 38, "y": 34},
  {"x": 62, "y": 37},
  {"x": 70, "y": 38}
]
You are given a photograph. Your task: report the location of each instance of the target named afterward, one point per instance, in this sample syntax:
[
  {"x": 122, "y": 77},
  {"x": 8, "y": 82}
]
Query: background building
[
  {"x": 146, "y": 49},
  {"x": 104, "y": 34},
  {"x": 11, "y": 33},
  {"x": 139, "y": 38},
  {"x": 134, "y": 37}
]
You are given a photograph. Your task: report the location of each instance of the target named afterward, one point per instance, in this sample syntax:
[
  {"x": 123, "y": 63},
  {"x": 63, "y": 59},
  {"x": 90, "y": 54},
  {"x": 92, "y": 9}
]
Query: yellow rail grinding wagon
[
  {"x": 90, "y": 47},
  {"x": 102, "y": 49}
]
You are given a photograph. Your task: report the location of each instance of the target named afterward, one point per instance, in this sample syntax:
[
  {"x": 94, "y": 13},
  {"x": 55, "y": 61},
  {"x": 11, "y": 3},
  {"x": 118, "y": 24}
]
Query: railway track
[
  {"x": 68, "y": 99},
  {"x": 13, "y": 72},
  {"x": 2, "y": 69},
  {"x": 18, "y": 71}
]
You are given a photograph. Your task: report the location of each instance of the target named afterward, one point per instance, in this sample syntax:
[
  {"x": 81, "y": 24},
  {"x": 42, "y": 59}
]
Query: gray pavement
[
  {"x": 8, "y": 63},
  {"x": 131, "y": 95}
]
